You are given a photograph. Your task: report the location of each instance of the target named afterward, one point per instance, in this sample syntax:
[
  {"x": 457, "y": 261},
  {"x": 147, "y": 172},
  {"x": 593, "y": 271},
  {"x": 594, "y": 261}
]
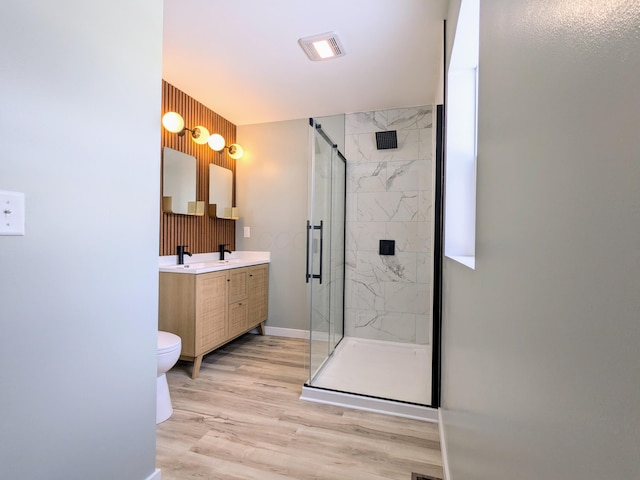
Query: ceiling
[{"x": 241, "y": 58}]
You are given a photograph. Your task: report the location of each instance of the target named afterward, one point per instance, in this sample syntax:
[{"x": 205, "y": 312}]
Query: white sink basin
[
  {"x": 197, "y": 267},
  {"x": 212, "y": 263},
  {"x": 190, "y": 265},
  {"x": 208, "y": 262},
  {"x": 230, "y": 260}
]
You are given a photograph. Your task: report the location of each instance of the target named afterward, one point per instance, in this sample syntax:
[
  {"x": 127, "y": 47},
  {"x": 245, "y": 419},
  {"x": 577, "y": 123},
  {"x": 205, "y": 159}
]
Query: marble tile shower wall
[{"x": 389, "y": 197}]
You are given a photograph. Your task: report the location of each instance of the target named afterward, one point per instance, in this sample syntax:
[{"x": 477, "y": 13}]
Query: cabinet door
[
  {"x": 238, "y": 318},
  {"x": 238, "y": 284},
  {"x": 211, "y": 310},
  {"x": 176, "y": 308},
  {"x": 258, "y": 294}
]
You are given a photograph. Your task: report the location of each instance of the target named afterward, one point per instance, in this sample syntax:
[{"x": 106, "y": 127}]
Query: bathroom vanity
[{"x": 209, "y": 303}]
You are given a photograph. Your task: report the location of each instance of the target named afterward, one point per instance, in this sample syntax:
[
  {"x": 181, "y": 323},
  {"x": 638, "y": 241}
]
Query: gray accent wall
[
  {"x": 272, "y": 197},
  {"x": 541, "y": 357},
  {"x": 80, "y": 136}
]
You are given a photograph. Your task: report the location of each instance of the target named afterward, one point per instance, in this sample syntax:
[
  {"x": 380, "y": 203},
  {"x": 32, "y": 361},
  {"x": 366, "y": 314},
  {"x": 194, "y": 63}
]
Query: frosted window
[{"x": 462, "y": 87}]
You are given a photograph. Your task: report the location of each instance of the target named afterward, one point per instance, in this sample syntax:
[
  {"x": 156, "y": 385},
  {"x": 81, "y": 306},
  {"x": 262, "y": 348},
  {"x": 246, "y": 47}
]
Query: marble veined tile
[
  {"x": 364, "y": 293},
  {"x": 410, "y": 118},
  {"x": 425, "y": 141},
  {"x": 385, "y": 326},
  {"x": 365, "y": 122},
  {"x": 408, "y": 147},
  {"x": 389, "y": 196},
  {"x": 350, "y": 315},
  {"x": 362, "y": 148},
  {"x": 406, "y": 298},
  {"x": 425, "y": 267},
  {"x": 351, "y": 211},
  {"x": 400, "y": 267},
  {"x": 425, "y": 207},
  {"x": 409, "y": 236},
  {"x": 350, "y": 259},
  {"x": 367, "y": 177},
  {"x": 364, "y": 236},
  {"x": 351, "y": 148},
  {"x": 387, "y": 206},
  {"x": 426, "y": 180},
  {"x": 405, "y": 175},
  {"x": 423, "y": 329},
  {"x": 355, "y": 152}
]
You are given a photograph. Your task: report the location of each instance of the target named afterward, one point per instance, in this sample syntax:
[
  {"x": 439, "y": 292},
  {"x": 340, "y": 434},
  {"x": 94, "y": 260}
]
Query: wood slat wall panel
[{"x": 201, "y": 233}]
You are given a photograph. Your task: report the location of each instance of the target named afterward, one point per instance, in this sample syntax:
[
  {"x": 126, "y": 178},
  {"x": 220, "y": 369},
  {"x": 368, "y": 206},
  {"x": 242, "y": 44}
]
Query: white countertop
[{"x": 210, "y": 262}]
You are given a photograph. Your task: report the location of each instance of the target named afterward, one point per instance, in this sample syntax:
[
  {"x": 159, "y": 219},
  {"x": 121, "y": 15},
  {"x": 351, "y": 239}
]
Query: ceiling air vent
[{"x": 322, "y": 47}]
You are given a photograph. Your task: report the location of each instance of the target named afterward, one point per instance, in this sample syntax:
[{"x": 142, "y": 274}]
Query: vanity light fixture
[
  {"x": 216, "y": 142},
  {"x": 174, "y": 123},
  {"x": 235, "y": 151},
  {"x": 199, "y": 134}
]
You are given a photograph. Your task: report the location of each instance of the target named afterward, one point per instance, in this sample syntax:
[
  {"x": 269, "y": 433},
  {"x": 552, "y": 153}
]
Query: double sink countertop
[{"x": 210, "y": 262}]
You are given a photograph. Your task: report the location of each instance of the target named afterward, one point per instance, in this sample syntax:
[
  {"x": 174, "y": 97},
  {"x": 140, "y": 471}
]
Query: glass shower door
[{"x": 325, "y": 250}]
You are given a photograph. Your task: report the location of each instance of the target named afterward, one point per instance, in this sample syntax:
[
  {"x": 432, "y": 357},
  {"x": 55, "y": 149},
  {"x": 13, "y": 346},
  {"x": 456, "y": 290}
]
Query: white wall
[
  {"x": 79, "y": 130},
  {"x": 540, "y": 368},
  {"x": 272, "y": 196}
]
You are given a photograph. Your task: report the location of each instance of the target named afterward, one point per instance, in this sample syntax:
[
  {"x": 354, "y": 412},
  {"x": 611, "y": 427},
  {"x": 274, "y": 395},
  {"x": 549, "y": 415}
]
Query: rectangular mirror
[
  {"x": 221, "y": 193},
  {"x": 179, "y": 183}
]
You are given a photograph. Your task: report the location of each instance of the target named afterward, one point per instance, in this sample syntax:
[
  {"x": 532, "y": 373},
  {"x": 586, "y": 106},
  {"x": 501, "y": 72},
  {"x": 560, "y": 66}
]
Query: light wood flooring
[{"x": 241, "y": 419}]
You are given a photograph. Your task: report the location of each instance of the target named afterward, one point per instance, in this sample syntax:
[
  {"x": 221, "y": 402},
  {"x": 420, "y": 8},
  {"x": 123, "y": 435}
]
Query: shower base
[{"x": 388, "y": 377}]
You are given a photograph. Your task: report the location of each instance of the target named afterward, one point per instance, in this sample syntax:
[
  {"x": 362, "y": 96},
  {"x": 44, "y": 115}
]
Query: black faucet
[
  {"x": 223, "y": 250},
  {"x": 181, "y": 253}
]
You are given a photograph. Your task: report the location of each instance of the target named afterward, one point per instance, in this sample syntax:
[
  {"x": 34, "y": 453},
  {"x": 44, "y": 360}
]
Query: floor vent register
[{"x": 419, "y": 476}]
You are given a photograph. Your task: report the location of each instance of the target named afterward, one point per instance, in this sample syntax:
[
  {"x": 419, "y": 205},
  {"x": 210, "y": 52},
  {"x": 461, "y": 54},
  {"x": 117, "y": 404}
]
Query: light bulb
[
  {"x": 216, "y": 142},
  {"x": 235, "y": 151},
  {"x": 200, "y": 135},
  {"x": 173, "y": 122}
]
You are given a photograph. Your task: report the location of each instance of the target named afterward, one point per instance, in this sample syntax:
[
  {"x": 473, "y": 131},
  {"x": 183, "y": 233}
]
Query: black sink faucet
[
  {"x": 223, "y": 250},
  {"x": 181, "y": 253}
]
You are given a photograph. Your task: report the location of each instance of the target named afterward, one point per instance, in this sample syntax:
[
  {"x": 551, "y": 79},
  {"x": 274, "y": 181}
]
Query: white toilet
[{"x": 169, "y": 348}]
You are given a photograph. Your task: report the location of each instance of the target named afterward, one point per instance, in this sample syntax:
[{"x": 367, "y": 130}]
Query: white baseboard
[
  {"x": 286, "y": 332},
  {"x": 293, "y": 333},
  {"x": 157, "y": 475},
  {"x": 443, "y": 448}
]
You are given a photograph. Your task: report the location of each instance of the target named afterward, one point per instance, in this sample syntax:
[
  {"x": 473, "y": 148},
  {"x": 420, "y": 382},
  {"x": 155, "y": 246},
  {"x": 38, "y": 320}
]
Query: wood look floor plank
[{"x": 242, "y": 419}]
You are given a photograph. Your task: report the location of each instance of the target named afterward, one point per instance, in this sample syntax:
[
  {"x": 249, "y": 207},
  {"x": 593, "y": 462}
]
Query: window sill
[{"x": 466, "y": 260}]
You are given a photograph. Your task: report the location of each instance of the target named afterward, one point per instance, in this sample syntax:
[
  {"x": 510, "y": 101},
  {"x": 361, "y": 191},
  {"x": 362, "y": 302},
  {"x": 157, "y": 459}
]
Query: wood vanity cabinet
[
  {"x": 258, "y": 296},
  {"x": 208, "y": 310}
]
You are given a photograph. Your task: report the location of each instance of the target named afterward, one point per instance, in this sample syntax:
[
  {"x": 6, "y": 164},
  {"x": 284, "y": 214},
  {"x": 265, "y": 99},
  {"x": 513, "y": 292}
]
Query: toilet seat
[{"x": 168, "y": 342}]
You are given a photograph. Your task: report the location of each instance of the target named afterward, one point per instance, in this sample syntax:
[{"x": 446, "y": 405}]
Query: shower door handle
[
  {"x": 307, "y": 276},
  {"x": 310, "y": 229},
  {"x": 319, "y": 276}
]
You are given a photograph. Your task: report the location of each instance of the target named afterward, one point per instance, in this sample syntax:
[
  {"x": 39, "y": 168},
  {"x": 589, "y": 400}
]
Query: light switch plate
[
  {"x": 247, "y": 232},
  {"x": 11, "y": 213}
]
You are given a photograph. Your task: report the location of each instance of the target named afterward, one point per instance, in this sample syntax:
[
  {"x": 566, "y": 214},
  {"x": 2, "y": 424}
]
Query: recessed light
[{"x": 322, "y": 47}]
